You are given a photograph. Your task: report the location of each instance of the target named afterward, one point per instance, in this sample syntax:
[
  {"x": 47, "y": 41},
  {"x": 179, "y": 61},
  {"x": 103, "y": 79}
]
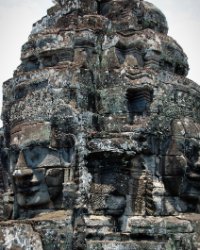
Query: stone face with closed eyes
[{"x": 102, "y": 127}]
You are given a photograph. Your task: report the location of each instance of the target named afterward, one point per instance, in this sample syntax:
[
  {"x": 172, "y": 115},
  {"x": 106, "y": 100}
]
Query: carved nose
[
  {"x": 22, "y": 173},
  {"x": 21, "y": 163}
]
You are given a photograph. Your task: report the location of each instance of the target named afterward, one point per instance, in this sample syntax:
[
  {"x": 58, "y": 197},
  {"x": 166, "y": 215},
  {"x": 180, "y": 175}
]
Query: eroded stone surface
[
  {"x": 101, "y": 123},
  {"x": 19, "y": 236}
]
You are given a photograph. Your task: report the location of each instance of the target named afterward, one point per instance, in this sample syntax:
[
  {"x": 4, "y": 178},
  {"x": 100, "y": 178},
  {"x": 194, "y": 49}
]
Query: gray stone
[{"x": 100, "y": 146}]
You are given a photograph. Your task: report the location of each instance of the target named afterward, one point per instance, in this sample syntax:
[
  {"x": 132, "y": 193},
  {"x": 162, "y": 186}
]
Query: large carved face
[
  {"x": 120, "y": 170},
  {"x": 40, "y": 158},
  {"x": 182, "y": 160},
  {"x": 108, "y": 63}
]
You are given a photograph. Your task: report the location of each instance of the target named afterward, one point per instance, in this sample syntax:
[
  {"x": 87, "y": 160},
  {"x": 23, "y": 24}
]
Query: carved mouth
[
  {"x": 193, "y": 178},
  {"x": 191, "y": 195},
  {"x": 29, "y": 190},
  {"x": 27, "y": 184},
  {"x": 190, "y": 191}
]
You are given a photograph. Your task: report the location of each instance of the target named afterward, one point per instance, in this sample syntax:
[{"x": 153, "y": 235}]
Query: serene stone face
[
  {"x": 35, "y": 176},
  {"x": 182, "y": 162},
  {"x": 101, "y": 137},
  {"x": 40, "y": 162},
  {"x": 94, "y": 115}
]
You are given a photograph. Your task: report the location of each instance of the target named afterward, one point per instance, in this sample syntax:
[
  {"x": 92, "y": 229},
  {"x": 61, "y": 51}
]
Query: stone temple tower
[{"x": 101, "y": 134}]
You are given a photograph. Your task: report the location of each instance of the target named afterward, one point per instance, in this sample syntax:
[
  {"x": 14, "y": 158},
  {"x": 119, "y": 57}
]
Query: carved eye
[
  {"x": 38, "y": 157},
  {"x": 34, "y": 156}
]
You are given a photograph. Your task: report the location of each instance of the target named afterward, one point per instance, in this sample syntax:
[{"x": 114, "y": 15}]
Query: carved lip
[
  {"x": 190, "y": 195},
  {"x": 193, "y": 177}
]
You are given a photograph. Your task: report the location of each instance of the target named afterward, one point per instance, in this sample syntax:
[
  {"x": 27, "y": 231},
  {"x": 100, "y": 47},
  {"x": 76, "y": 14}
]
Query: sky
[{"x": 17, "y": 17}]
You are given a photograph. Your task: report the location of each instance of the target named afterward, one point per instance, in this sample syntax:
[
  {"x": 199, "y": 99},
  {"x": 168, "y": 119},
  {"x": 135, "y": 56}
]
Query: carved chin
[{"x": 35, "y": 199}]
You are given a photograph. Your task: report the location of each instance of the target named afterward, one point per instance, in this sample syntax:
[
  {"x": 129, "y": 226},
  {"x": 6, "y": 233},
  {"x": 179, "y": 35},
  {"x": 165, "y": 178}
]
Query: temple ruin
[{"x": 100, "y": 145}]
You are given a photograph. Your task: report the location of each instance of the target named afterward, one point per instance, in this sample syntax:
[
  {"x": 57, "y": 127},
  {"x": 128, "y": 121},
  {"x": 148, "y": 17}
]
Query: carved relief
[{"x": 101, "y": 123}]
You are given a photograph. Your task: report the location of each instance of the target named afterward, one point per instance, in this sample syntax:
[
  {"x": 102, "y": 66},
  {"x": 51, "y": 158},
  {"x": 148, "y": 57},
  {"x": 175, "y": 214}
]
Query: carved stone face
[
  {"x": 39, "y": 165},
  {"x": 101, "y": 72},
  {"x": 118, "y": 183},
  {"x": 182, "y": 161},
  {"x": 39, "y": 175}
]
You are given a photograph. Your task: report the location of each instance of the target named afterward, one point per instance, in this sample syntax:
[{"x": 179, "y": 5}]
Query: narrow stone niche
[{"x": 138, "y": 102}]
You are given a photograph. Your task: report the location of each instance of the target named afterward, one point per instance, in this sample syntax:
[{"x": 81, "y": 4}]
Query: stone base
[
  {"x": 62, "y": 231},
  {"x": 52, "y": 231}
]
